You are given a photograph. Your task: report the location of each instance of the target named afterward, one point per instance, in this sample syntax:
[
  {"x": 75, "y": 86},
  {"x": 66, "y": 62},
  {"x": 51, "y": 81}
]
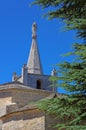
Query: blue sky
[{"x": 16, "y": 18}]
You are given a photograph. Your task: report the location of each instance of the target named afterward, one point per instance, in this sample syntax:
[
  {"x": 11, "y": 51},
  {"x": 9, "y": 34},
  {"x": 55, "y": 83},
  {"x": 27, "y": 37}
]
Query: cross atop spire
[{"x": 34, "y": 63}]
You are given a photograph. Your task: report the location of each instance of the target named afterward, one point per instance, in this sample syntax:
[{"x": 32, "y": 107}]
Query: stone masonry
[{"x": 18, "y": 108}]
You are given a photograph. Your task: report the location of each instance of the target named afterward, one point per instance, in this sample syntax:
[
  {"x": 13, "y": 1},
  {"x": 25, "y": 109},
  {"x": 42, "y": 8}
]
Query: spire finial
[{"x": 34, "y": 30}]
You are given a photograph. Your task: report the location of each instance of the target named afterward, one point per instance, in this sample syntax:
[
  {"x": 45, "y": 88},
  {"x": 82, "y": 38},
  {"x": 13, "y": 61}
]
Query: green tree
[{"x": 71, "y": 108}]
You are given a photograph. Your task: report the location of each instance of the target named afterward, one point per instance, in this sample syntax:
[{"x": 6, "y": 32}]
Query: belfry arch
[{"x": 38, "y": 84}]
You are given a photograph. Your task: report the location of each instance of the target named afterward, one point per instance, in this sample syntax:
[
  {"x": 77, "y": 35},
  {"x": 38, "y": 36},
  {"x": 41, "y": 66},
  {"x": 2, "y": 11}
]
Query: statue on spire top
[{"x": 34, "y": 30}]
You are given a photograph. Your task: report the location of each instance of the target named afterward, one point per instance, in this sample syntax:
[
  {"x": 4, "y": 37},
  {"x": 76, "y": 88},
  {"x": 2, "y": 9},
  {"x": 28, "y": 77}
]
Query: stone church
[{"x": 18, "y": 99}]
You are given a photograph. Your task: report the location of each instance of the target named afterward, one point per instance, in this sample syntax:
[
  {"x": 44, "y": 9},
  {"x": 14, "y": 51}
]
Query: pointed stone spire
[{"x": 34, "y": 63}]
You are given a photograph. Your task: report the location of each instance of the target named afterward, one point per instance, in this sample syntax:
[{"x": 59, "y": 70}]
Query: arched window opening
[{"x": 38, "y": 84}]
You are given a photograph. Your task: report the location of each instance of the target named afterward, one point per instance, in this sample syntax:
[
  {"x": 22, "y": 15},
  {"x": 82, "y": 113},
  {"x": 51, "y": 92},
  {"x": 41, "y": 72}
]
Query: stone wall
[
  {"x": 21, "y": 96},
  {"x": 30, "y": 119},
  {"x": 15, "y": 96},
  {"x": 15, "y": 110},
  {"x": 33, "y": 119},
  {"x": 5, "y": 99},
  {"x": 25, "y": 97}
]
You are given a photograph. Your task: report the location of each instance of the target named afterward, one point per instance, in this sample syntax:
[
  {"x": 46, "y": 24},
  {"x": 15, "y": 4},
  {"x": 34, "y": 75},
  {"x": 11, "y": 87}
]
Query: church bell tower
[{"x": 32, "y": 74}]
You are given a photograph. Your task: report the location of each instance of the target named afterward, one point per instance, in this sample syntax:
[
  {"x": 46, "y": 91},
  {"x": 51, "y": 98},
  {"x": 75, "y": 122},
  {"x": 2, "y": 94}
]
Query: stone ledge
[{"x": 15, "y": 86}]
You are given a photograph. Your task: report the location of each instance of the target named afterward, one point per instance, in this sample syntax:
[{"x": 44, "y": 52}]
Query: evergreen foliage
[{"x": 70, "y": 109}]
